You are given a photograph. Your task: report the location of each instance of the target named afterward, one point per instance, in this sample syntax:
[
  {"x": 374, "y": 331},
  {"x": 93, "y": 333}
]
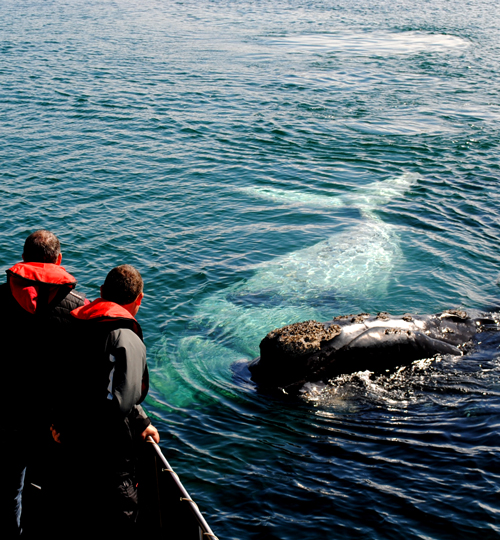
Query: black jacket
[
  {"x": 36, "y": 328},
  {"x": 107, "y": 379}
]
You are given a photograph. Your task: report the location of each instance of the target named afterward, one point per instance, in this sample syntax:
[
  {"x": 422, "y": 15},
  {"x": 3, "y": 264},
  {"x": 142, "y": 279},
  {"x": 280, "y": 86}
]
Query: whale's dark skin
[{"x": 313, "y": 351}]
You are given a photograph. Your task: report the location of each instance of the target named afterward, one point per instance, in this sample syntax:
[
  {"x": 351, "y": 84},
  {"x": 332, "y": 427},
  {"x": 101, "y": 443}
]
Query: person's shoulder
[
  {"x": 125, "y": 333},
  {"x": 71, "y": 301},
  {"x": 60, "y": 310},
  {"x": 76, "y": 298},
  {"x": 126, "y": 338}
]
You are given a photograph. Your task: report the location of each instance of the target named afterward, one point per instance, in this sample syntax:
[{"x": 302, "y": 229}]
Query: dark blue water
[{"x": 263, "y": 163}]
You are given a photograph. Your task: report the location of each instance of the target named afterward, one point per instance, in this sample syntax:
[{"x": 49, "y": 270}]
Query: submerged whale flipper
[{"x": 366, "y": 197}]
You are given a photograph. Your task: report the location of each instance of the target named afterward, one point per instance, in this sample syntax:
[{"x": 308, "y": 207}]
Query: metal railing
[{"x": 205, "y": 530}]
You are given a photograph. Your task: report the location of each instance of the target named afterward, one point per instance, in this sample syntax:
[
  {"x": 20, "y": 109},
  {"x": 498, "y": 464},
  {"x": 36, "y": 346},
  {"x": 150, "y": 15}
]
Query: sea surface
[{"x": 268, "y": 162}]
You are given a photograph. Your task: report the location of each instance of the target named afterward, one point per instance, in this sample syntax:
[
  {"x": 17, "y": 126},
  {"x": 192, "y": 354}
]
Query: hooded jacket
[
  {"x": 109, "y": 379},
  {"x": 36, "y": 327}
]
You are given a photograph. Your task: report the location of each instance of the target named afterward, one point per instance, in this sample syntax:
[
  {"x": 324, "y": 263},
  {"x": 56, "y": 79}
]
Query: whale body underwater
[
  {"x": 308, "y": 283},
  {"x": 317, "y": 352}
]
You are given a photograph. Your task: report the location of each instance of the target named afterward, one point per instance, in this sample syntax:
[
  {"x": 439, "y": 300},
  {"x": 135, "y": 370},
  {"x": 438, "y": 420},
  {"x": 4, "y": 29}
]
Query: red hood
[
  {"x": 101, "y": 309},
  {"x": 27, "y": 279}
]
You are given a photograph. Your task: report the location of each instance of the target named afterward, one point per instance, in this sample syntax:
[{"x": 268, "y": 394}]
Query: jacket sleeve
[
  {"x": 139, "y": 421},
  {"x": 128, "y": 379}
]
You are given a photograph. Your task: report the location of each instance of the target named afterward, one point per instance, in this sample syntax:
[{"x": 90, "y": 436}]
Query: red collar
[
  {"x": 101, "y": 309},
  {"x": 42, "y": 273},
  {"x": 26, "y": 281}
]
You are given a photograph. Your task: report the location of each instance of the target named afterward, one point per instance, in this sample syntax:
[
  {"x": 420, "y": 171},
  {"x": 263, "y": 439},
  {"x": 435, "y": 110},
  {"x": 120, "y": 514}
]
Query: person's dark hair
[
  {"x": 41, "y": 246},
  {"x": 122, "y": 285}
]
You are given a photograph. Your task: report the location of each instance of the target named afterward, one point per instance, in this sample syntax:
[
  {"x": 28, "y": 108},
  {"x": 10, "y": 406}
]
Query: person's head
[
  {"x": 43, "y": 247},
  {"x": 123, "y": 286}
]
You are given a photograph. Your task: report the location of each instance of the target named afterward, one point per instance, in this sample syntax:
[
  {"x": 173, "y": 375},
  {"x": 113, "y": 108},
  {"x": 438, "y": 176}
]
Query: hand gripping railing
[{"x": 206, "y": 531}]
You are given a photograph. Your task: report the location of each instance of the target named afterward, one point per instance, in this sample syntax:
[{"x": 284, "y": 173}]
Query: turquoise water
[{"x": 263, "y": 163}]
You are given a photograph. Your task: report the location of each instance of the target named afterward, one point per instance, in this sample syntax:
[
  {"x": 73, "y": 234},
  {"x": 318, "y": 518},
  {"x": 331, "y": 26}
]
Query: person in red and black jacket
[
  {"x": 102, "y": 420},
  {"x": 35, "y": 325}
]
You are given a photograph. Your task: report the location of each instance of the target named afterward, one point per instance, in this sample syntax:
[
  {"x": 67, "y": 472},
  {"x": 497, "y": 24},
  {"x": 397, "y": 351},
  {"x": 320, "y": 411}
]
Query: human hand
[{"x": 151, "y": 431}]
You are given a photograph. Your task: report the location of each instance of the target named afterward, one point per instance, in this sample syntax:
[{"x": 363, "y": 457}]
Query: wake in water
[{"x": 312, "y": 283}]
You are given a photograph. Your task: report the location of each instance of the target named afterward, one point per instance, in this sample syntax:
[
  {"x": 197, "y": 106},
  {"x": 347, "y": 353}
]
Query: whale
[
  {"x": 317, "y": 281},
  {"x": 356, "y": 263},
  {"x": 311, "y": 351}
]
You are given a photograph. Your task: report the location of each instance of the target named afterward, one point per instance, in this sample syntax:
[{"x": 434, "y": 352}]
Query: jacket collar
[
  {"x": 42, "y": 273},
  {"x": 35, "y": 285},
  {"x": 101, "y": 309}
]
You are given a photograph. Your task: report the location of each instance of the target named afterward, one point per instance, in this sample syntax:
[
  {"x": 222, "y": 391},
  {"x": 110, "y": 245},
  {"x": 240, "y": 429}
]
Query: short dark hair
[
  {"x": 122, "y": 285},
  {"x": 41, "y": 246}
]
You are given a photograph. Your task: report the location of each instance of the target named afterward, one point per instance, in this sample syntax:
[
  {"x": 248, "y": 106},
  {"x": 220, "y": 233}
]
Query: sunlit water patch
[{"x": 375, "y": 43}]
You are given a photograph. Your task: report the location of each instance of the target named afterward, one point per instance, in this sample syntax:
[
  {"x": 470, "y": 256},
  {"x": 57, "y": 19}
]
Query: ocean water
[{"x": 266, "y": 162}]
